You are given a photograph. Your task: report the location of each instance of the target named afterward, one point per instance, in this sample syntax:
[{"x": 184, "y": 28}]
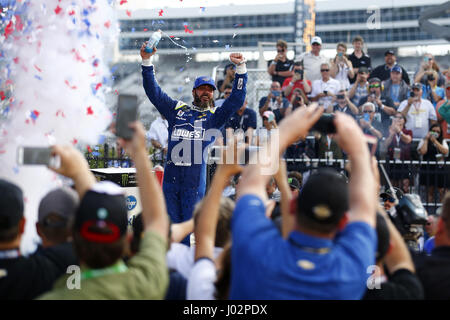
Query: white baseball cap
[{"x": 316, "y": 40}]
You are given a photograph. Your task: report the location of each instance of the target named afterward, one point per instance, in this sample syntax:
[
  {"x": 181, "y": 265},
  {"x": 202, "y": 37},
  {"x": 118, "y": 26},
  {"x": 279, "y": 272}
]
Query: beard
[{"x": 198, "y": 102}]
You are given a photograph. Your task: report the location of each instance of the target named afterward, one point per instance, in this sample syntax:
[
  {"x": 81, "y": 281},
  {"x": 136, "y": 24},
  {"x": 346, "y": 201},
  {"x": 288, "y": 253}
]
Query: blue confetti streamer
[
  {"x": 101, "y": 139},
  {"x": 37, "y": 77}
]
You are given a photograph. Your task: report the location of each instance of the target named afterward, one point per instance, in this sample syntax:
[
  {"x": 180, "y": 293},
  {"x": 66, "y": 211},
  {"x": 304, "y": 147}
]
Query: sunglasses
[
  {"x": 280, "y": 51},
  {"x": 367, "y": 111},
  {"x": 316, "y": 44},
  {"x": 374, "y": 85},
  {"x": 324, "y": 70}
]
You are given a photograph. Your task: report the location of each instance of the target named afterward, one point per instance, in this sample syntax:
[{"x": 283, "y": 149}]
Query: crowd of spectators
[{"x": 285, "y": 235}]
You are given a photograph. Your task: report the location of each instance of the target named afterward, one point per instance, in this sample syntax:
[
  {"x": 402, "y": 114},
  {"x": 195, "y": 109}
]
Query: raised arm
[
  {"x": 154, "y": 213},
  {"x": 237, "y": 97},
  {"x": 162, "y": 102}
]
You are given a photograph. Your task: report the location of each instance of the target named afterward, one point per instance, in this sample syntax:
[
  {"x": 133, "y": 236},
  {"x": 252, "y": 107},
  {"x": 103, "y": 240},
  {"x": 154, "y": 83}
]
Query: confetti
[
  {"x": 161, "y": 12},
  {"x": 74, "y": 141},
  {"x": 71, "y": 13},
  {"x": 107, "y": 24},
  {"x": 2, "y": 95},
  {"x": 128, "y": 13},
  {"x": 9, "y": 29},
  {"x": 98, "y": 86},
  {"x": 123, "y": 2},
  {"x": 37, "y": 68},
  {"x": 89, "y": 149},
  {"x": 68, "y": 84},
  {"x": 186, "y": 29},
  {"x": 89, "y": 110},
  {"x": 16, "y": 60},
  {"x": 38, "y": 77},
  {"x": 58, "y": 9}
]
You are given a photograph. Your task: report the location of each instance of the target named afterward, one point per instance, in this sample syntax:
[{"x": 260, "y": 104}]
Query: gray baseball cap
[{"x": 60, "y": 201}]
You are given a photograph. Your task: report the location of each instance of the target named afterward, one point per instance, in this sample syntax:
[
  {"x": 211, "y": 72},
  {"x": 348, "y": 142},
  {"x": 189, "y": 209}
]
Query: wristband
[
  {"x": 273, "y": 62},
  {"x": 147, "y": 62}
]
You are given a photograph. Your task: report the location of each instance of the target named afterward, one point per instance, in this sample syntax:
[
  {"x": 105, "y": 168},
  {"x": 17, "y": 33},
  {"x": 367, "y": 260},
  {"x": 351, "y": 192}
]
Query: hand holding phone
[
  {"x": 37, "y": 156},
  {"x": 126, "y": 114}
]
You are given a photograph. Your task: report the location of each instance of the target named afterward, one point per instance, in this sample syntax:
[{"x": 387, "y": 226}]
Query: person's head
[
  {"x": 55, "y": 216},
  {"x": 316, "y": 45},
  {"x": 298, "y": 65},
  {"x": 375, "y": 86},
  {"x": 275, "y": 87},
  {"x": 323, "y": 203},
  {"x": 363, "y": 75},
  {"x": 298, "y": 98},
  {"x": 203, "y": 92},
  {"x": 294, "y": 185},
  {"x": 416, "y": 88},
  {"x": 282, "y": 48},
  {"x": 271, "y": 186},
  {"x": 390, "y": 58},
  {"x": 227, "y": 91},
  {"x": 431, "y": 225},
  {"x": 442, "y": 237},
  {"x": 358, "y": 43},
  {"x": 341, "y": 49},
  {"x": 325, "y": 71},
  {"x": 229, "y": 70},
  {"x": 297, "y": 175},
  {"x": 430, "y": 62},
  {"x": 396, "y": 74},
  {"x": 435, "y": 128},
  {"x": 268, "y": 117},
  {"x": 100, "y": 226},
  {"x": 223, "y": 229},
  {"x": 400, "y": 119},
  {"x": 341, "y": 98},
  {"x": 369, "y": 108},
  {"x": 388, "y": 198},
  {"x": 12, "y": 221}
]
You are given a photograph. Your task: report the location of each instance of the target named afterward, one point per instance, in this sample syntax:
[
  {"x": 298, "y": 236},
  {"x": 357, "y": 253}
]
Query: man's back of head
[
  {"x": 100, "y": 226},
  {"x": 11, "y": 212},
  {"x": 55, "y": 216},
  {"x": 323, "y": 202}
]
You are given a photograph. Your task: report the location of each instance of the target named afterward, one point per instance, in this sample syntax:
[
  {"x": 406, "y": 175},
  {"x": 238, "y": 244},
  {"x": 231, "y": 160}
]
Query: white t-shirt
[
  {"x": 342, "y": 76},
  {"x": 200, "y": 284},
  {"x": 319, "y": 86},
  {"x": 418, "y": 116},
  {"x": 159, "y": 131},
  {"x": 181, "y": 258},
  {"x": 311, "y": 65}
]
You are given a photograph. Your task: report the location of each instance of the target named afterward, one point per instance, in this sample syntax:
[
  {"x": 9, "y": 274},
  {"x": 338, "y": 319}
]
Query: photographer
[
  {"x": 429, "y": 63},
  {"x": 297, "y": 81},
  {"x": 326, "y": 88},
  {"x": 274, "y": 102},
  {"x": 298, "y": 99},
  {"x": 281, "y": 67},
  {"x": 360, "y": 88},
  {"x": 369, "y": 125},
  {"x": 433, "y": 148},
  {"x": 420, "y": 113},
  {"x": 344, "y": 105},
  {"x": 384, "y": 106},
  {"x": 341, "y": 66},
  {"x": 430, "y": 89}
]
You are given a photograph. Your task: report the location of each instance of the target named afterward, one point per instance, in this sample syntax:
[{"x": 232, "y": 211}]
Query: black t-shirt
[
  {"x": 434, "y": 273},
  {"x": 402, "y": 285},
  {"x": 364, "y": 61},
  {"x": 282, "y": 66},
  {"x": 383, "y": 73},
  {"x": 25, "y": 278},
  {"x": 346, "y": 110}
]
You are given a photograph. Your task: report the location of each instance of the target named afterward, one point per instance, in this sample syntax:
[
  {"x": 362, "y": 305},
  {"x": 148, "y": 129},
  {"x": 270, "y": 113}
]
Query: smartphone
[
  {"x": 127, "y": 112},
  {"x": 37, "y": 156},
  {"x": 276, "y": 93},
  {"x": 366, "y": 117},
  {"x": 325, "y": 124}
]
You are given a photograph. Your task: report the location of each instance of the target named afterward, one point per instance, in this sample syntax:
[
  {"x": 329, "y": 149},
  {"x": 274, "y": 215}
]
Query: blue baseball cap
[
  {"x": 396, "y": 69},
  {"x": 204, "y": 80}
]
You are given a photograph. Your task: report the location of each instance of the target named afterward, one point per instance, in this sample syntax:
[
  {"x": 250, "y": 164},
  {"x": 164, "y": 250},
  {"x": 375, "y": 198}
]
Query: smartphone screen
[
  {"x": 126, "y": 113},
  {"x": 34, "y": 156}
]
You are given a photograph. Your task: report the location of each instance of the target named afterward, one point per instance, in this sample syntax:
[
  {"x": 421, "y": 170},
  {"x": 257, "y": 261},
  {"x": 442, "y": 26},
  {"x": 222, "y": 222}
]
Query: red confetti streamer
[
  {"x": 123, "y": 1},
  {"x": 74, "y": 141},
  {"x": 186, "y": 30},
  {"x": 19, "y": 24},
  {"x": 60, "y": 112},
  {"x": 2, "y": 95},
  {"x": 117, "y": 92},
  {"x": 58, "y": 9},
  {"x": 128, "y": 13},
  {"x": 89, "y": 149},
  {"x": 161, "y": 12},
  {"x": 108, "y": 24},
  {"x": 145, "y": 29},
  {"x": 37, "y": 68},
  {"x": 71, "y": 13},
  {"x": 90, "y": 111},
  {"x": 16, "y": 60},
  {"x": 98, "y": 86},
  {"x": 9, "y": 29},
  {"x": 68, "y": 84}
]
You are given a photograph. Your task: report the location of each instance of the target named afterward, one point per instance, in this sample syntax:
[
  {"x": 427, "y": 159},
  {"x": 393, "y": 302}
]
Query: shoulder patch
[{"x": 180, "y": 104}]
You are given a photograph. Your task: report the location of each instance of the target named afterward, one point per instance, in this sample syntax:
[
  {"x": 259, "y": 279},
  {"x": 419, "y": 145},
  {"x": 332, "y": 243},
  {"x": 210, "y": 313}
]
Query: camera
[
  {"x": 411, "y": 94},
  {"x": 325, "y": 124},
  {"x": 341, "y": 96},
  {"x": 429, "y": 77},
  {"x": 325, "y": 92}
]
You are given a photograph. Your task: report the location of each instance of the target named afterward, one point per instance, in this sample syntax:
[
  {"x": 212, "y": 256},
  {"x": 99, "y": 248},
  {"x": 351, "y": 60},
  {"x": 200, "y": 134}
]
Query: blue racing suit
[{"x": 191, "y": 131}]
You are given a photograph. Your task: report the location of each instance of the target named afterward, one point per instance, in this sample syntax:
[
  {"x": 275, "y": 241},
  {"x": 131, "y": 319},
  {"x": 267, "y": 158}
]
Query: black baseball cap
[
  {"x": 363, "y": 69},
  {"x": 293, "y": 183},
  {"x": 324, "y": 197},
  {"x": 389, "y": 52},
  {"x": 61, "y": 201},
  {"x": 102, "y": 215},
  {"x": 11, "y": 205},
  {"x": 389, "y": 194}
]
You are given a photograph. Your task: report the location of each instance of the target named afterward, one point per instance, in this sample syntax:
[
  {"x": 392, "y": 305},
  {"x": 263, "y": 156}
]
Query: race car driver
[{"x": 192, "y": 128}]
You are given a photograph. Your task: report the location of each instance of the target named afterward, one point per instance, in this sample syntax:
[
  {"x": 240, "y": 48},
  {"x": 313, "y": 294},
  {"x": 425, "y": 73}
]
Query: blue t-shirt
[
  {"x": 266, "y": 266},
  {"x": 395, "y": 89},
  {"x": 426, "y": 89}
]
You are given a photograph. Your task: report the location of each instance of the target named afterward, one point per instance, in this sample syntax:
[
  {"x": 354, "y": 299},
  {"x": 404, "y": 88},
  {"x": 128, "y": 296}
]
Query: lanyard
[
  {"x": 9, "y": 254},
  {"x": 119, "y": 267}
]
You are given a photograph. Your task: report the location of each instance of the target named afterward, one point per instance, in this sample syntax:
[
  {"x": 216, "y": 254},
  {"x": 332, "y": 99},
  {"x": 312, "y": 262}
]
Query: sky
[{"x": 146, "y": 4}]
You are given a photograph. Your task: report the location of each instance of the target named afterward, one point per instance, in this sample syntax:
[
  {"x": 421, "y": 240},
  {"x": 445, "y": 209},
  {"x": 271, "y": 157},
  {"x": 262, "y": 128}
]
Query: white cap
[{"x": 316, "y": 40}]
